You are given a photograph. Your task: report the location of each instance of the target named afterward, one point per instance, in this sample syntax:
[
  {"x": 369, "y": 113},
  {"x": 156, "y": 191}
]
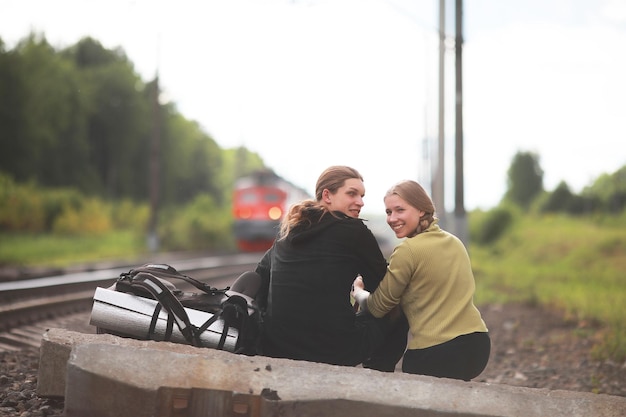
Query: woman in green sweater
[{"x": 430, "y": 277}]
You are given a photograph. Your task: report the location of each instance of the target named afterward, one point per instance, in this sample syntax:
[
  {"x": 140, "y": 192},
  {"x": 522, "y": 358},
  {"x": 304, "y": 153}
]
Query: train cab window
[
  {"x": 248, "y": 197},
  {"x": 271, "y": 197}
]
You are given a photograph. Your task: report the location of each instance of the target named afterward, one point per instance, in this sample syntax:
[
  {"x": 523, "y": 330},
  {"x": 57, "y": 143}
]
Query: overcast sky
[{"x": 308, "y": 84}]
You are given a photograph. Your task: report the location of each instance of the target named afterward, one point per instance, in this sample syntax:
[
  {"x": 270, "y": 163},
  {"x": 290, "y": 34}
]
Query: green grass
[
  {"x": 59, "y": 251},
  {"x": 576, "y": 266}
]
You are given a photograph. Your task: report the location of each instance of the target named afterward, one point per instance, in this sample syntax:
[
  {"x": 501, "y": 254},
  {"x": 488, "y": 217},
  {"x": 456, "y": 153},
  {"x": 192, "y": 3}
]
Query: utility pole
[
  {"x": 154, "y": 175},
  {"x": 459, "y": 206},
  {"x": 439, "y": 175}
]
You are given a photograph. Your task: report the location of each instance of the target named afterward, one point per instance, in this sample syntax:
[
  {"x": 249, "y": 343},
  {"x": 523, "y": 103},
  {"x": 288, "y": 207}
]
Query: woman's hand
[
  {"x": 359, "y": 293},
  {"x": 357, "y": 285}
]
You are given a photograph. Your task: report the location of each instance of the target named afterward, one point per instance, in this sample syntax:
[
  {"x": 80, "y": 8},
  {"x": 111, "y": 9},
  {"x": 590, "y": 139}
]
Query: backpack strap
[
  {"x": 167, "y": 271},
  {"x": 153, "y": 322},
  {"x": 169, "y": 302}
]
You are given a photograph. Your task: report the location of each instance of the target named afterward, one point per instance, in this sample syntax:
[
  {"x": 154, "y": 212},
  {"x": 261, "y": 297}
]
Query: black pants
[
  {"x": 388, "y": 336},
  {"x": 463, "y": 357}
]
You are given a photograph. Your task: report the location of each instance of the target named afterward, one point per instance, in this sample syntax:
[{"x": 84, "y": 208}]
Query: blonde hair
[
  {"x": 331, "y": 179},
  {"x": 415, "y": 195}
]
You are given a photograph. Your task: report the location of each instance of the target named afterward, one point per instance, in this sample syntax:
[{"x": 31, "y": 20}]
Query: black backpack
[{"x": 233, "y": 309}]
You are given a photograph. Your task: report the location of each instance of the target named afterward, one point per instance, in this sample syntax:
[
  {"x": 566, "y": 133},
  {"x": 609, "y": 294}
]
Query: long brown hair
[
  {"x": 415, "y": 195},
  {"x": 331, "y": 179}
]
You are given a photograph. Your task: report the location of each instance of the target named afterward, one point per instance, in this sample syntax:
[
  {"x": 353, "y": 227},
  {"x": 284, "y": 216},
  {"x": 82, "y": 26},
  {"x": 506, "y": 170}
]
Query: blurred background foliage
[{"x": 77, "y": 130}]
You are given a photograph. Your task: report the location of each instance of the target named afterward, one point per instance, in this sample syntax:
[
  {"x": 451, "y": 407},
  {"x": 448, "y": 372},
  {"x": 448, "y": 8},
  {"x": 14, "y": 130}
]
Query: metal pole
[
  {"x": 155, "y": 150},
  {"x": 459, "y": 206},
  {"x": 439, "y": 177}
]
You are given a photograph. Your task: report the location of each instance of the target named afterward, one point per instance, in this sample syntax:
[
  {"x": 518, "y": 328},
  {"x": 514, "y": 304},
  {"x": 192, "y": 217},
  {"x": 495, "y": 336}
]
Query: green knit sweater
[{"x": 430, "y": 276}]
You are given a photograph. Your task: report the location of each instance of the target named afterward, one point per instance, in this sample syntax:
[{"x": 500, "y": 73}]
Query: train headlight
[{"x": 275, "y": 213}]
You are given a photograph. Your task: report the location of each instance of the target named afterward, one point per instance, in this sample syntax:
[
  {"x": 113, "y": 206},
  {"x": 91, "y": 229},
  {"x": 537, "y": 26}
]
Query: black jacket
[{"x": 307, "y": 279}]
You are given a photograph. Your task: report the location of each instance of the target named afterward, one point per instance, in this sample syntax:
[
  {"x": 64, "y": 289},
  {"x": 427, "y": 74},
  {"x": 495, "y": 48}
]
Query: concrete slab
[
  {"x": 57, "y": 344},
  {"x": 110, "y": 376}
]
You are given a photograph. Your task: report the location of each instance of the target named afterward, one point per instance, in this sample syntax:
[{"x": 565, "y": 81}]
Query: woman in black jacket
[{"x": 306, "y": 278}]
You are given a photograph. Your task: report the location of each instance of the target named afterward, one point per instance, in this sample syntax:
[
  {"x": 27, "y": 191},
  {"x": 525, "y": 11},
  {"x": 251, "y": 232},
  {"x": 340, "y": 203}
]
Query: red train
[{"x": 260, "y": 201}]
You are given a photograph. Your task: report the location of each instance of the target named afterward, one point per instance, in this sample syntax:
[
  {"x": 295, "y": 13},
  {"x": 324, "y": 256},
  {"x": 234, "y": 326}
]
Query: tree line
[
  {"x": 526, "y": 195},
  {"x": 607, "y": 194},
  {"x": 81, "y": 117}
]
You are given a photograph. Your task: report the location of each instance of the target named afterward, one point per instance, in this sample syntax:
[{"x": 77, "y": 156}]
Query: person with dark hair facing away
[
  {"x": 430, "y": 277},
  {"x": 307, "y": 275}
]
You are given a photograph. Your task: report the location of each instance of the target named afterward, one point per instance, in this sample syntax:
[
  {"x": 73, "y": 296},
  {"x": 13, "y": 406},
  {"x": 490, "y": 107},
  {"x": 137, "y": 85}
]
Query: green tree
[
  {"x": 238, "y": 162},
  {"x": 45, "y": 122},
  {"x": 559, "y": 199},
  {"x": 82, "y": 118},
  {"x": 191, "y": 160},
  {"x": 245, "y": 162},
  {"x": 562, "y": 199},
  {"x": 610, "y": 189},
  {"x": 525, "y": 179},
  {"x": 12, "y": 90},
  {"x": 117, "y": 119}
]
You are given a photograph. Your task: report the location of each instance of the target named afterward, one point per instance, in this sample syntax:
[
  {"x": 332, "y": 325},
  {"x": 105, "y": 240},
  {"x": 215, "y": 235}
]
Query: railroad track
[{"x": 29, "y": 307}]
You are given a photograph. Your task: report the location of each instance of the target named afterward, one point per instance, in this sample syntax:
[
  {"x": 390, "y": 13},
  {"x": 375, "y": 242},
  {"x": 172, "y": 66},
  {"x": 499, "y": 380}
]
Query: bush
[
  {"x": 27, "y": 208},
  {"x": 491, "y": 226},
  {"x": 558, "y": 200},
  {"x": 199, "y": 225},
  {"x": 91, "y": 218},
  {"x": 127, "y": 215},
  {"x": 564, "y": 201},
  {"x": 21, "y": 208},
  {"x": 55, "y": 201}
]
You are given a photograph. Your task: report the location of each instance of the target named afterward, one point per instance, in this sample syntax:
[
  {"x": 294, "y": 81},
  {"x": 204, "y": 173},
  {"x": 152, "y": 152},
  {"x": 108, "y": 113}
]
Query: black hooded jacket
[{"x": 307, "y": 279}]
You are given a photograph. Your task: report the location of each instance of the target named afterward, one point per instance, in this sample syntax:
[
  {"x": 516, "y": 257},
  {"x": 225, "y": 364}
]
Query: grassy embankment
[
  {"x": 62, "y": 251},
  {"x": 577, "y": 266}
]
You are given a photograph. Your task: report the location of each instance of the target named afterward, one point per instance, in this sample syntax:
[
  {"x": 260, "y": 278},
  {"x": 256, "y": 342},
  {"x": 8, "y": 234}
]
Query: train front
[{"x": 259, "y": 202}]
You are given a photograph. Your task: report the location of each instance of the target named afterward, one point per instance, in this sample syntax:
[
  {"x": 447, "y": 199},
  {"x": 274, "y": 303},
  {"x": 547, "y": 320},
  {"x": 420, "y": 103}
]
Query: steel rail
[{"x": 27, "y": 301}]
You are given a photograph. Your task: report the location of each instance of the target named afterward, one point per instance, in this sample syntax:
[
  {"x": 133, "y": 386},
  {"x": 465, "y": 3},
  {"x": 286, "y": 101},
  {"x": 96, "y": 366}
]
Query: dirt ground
[{"x": 533, "y": 347}]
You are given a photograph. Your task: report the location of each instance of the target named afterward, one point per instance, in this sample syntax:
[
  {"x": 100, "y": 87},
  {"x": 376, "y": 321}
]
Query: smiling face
[
  {"x": 348, "y": 199},
  {"x": 402, "y": 217}
]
